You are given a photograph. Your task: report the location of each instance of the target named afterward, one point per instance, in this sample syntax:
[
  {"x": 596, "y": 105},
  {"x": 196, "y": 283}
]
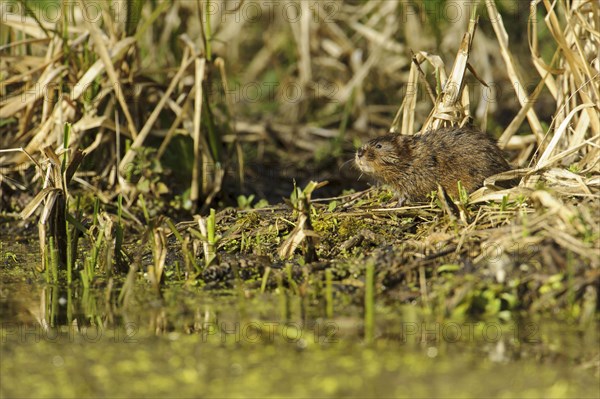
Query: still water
[{"x": 58, "y": 342}]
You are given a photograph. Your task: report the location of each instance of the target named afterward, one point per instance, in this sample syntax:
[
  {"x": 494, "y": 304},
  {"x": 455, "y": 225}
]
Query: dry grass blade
[
  {"x": 74, "y": 165},
  {"x": 36, "y": 202},
  {"x": 513, "y": 69},
  {"x": 28, "y": 25},
  {"x": 145, "y": 131},
  {"x": 105, "y": 56},
  {"x": 558, "y": 134},
  {"x": 159, "y": 249},
  {"x": 580, "y": 70},
  {"x": 447, "y": 108},
  {"x": 517, "y": 121},
  {"x": 296, "y": 237},
  {"x": 117, "y": 52},
  {"x": 15, "y": 104},
  {"x": 54, "y": 170}
]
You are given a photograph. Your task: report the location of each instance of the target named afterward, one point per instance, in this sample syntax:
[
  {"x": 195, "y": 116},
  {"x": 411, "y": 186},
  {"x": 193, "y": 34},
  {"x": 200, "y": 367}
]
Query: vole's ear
[{"x": 404, "y": 145}]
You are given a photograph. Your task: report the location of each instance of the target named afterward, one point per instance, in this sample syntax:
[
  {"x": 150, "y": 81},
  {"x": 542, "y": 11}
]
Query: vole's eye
[{"x": 378, "y": 146}]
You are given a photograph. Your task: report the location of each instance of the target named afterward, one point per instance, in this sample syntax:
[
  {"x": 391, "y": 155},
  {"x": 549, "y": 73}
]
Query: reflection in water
[
  {"x": 68, "y": 310},
  {"x": 87, "y": 344}
]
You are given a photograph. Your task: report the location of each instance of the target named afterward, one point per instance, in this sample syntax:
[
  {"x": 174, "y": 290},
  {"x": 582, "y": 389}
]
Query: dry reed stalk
[
  {"x": 355, "y": 50},
  {"x": 198, "y": 157}
]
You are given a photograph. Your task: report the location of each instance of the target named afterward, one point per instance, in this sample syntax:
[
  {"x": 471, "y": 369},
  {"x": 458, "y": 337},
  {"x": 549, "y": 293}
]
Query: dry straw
[{"x": 87, "y": 72}]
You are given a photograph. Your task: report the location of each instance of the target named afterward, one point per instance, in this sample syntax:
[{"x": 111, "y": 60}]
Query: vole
[{"x": 414, "y": 164}]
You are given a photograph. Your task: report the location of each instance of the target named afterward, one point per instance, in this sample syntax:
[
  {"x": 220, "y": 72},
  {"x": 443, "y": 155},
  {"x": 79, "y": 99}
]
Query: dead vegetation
[{"x": 181, "y": 106}]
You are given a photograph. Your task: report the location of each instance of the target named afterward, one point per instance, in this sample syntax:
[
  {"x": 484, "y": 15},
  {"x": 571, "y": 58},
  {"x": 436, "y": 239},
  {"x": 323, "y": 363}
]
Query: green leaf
[
  {"x": 332, "y": 205},
  {"x": 448, "y": 268}
]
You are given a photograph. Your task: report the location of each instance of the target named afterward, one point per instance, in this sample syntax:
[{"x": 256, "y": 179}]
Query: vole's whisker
[{"x": 345, "y": 163}]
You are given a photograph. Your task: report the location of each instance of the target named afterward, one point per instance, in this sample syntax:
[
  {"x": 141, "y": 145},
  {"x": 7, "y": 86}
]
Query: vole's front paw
[{"x": 401, "y": 200}]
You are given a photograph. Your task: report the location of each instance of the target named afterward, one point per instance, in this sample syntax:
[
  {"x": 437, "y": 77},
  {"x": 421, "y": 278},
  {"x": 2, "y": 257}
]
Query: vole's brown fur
[{"x": 413, "y": 165}]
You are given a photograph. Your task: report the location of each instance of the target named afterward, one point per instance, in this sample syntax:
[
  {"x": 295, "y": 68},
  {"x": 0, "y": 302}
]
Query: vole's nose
[{"x": 361, "y": 151}]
